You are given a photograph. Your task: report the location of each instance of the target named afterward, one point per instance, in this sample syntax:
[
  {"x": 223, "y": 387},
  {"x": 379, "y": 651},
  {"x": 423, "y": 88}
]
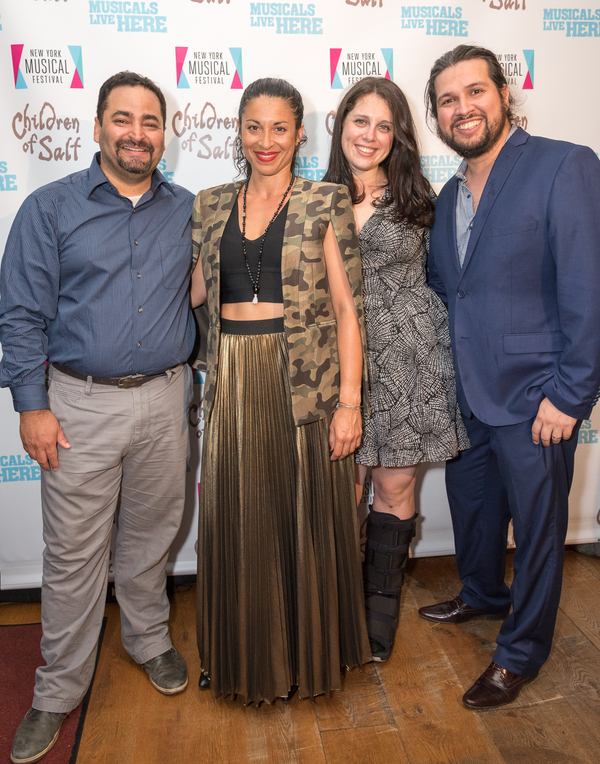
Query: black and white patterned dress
[{"x": 415, "y": 416}]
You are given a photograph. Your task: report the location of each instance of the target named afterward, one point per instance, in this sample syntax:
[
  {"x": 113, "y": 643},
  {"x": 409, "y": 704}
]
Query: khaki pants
[{"x": 128, "y": 453}]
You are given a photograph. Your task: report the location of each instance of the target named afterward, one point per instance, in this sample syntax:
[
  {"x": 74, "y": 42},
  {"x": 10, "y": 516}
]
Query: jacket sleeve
[
  {"x": 196, "y": 230},
  {"x": 344, "y": 227},
  {"x": 574, "y": 236},
  {"x": 433, "y": 279}
]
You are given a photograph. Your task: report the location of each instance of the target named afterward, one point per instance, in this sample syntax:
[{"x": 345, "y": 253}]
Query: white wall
[{"x": 218, "y": 46}]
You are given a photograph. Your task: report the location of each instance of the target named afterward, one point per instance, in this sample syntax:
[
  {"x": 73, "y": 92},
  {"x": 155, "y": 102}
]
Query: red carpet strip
[{"x": 19, "y": 657}]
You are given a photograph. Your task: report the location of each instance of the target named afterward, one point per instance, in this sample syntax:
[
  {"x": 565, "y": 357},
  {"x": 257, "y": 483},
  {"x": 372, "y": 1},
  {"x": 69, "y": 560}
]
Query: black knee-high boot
[{"x": 386, "y": 554}]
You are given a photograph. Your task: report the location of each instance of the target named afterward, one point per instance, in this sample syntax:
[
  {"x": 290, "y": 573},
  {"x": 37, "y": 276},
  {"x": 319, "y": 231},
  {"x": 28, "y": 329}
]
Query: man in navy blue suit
[{"x": 515, "y": 254}]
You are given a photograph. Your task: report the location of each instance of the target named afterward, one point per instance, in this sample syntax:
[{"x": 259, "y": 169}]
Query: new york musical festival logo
[
  {"x": 349, "y": 66},
  {"x": 47, "y": 66},
  {"x": 209, "y": 67}
]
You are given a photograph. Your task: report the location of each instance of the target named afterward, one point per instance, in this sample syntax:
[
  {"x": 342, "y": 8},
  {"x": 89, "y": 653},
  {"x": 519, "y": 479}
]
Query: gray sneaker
[
  {"x": 167, "y": 672},
  {"x": 35, "y": 736},
  {"x": 591, "y": 550}
]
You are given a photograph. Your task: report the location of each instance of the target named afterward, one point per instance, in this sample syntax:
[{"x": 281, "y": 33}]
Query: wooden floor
[{"x": 406, "y": 710}]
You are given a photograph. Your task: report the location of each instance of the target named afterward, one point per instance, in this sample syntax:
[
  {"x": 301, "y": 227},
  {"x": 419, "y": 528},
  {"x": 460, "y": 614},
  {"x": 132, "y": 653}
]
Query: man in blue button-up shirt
[{"x": 94, "y": 287}]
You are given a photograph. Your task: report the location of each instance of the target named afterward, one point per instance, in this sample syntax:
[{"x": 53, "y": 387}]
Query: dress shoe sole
[
  {"x": 38, "y": 756},
  {"x": 168, "y": 690},
  {"x": 500, "y": 705},
  {"x": 483, "y": 616}
]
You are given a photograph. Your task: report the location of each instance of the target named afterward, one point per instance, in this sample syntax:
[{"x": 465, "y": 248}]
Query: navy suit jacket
[{"x": 525, "y": 307}]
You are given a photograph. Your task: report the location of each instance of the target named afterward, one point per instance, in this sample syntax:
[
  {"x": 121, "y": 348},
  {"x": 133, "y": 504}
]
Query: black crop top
[{"x": 235, "y": 282}]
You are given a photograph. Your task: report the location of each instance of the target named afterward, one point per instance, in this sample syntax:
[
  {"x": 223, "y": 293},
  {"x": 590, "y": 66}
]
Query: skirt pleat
[{"x": 280, "y": 601}]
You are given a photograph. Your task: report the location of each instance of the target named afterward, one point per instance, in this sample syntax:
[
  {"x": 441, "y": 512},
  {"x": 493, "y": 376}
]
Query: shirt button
[
  {"x": 461, "y": 294},
  {"x": 139, "y": 275},
  {"x": 140, "y": 310},
  {"x": 139, "y": 344},
  {"x": 135, "y": 242}
]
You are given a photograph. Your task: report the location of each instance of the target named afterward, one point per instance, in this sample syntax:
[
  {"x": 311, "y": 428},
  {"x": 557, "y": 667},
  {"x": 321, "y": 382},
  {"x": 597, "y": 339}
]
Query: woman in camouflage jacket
[{"x": 280, "y": 601}]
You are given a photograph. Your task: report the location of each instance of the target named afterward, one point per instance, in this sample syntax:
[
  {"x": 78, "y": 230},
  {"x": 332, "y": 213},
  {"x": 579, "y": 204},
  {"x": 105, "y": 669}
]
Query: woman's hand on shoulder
[{"x": 345, "y": 432}]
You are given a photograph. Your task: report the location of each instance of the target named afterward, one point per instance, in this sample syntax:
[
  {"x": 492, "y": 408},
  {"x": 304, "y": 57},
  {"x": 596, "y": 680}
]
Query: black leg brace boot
[{"x": 386, "y": 554}]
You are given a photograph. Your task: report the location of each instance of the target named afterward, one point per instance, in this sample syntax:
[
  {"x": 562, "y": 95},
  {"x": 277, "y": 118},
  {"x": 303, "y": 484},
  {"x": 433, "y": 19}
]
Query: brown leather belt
[{"x": 134, "y": 380}]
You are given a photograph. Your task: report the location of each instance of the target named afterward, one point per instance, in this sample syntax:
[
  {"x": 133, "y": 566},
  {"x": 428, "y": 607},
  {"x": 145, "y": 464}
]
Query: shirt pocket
[{"x": 176, "y": 262}]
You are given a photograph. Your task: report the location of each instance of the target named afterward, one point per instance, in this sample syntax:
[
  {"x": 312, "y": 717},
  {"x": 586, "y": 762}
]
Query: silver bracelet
[{"x": 347, "y": 406}]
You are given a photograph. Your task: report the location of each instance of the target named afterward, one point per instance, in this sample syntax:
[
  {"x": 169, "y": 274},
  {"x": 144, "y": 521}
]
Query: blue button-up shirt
[
  {"x": 465, "y": 213},
  {"x": 92, "y": 282}
]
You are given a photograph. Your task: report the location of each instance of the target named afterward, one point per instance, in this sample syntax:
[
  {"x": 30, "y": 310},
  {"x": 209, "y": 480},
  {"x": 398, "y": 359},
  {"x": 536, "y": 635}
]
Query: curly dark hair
[
  {"x": 129, "y": 80},
  {"x": 409, "y": 190},
  {"x": 272, "y": 88}
]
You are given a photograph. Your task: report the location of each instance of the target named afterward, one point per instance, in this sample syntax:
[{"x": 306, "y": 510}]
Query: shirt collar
[
  {"x": 96, "y": 177},
  {"x": 460, "y": 173},
  {"x": 462, "y": 167}
]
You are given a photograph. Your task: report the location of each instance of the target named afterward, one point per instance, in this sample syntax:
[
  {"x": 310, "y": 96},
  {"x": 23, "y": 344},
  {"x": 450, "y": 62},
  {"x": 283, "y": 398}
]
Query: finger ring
[{"x": 555, "y": 440}]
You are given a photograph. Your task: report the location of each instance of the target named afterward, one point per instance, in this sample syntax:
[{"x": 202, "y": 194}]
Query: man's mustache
[{"x": 134, "y": 144}]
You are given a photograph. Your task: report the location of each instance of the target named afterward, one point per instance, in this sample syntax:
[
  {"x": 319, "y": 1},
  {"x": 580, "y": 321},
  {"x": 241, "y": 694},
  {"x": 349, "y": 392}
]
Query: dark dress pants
[{"x": 505, "y": 475}]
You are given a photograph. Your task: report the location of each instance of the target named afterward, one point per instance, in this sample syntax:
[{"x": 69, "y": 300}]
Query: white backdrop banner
[{"x": 55, "y": 54}]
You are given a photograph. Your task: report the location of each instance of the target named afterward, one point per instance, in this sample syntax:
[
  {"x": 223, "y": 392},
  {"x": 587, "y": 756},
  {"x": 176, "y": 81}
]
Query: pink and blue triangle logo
[
  {"x": 17, "y": 52},
  {"x": 529, "y": 56},
  {"x": 77, "y": 81},
  {"x": 238, "y": 77}
]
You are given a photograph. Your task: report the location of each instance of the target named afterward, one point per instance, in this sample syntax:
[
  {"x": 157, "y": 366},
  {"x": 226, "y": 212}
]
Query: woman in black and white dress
[{"x": 415, "y": 417}]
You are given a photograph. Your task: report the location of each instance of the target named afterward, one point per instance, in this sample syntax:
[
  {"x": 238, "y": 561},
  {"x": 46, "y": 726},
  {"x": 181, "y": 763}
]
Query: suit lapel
[
  {"x": 502, "y": 168},
  {"x": 451, "y": 220}
]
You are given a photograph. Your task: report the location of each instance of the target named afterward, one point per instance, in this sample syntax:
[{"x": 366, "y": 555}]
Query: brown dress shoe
[
  {"x": 454, "y": 611},
  {"x": 495, "y": 687}
]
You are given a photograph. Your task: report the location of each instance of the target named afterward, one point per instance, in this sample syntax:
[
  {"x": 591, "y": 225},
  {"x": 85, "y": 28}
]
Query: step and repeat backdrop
[{"x": 56, "y": 53}]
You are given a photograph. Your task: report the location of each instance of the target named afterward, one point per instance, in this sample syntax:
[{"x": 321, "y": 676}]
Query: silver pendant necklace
[{"x": 255, "y": 282}]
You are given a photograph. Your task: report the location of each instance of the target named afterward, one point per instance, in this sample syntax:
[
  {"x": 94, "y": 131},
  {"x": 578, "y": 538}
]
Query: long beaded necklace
[{"x": 255, "y": 282}]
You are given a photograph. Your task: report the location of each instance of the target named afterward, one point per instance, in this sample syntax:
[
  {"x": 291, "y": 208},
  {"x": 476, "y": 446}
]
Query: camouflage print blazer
[{"x": 309, "y": 319}]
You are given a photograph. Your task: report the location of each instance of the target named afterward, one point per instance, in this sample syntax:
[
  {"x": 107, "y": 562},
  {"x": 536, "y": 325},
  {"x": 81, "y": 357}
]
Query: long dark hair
[
  {"x": 273, "y": 88},
  {"x": 409, "y": 190}
]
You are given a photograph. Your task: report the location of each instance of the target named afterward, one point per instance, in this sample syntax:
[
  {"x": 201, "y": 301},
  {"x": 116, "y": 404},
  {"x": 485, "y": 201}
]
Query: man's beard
[
  {"x": 133, "y": 164},
  {"x": 488, "y": 139}
]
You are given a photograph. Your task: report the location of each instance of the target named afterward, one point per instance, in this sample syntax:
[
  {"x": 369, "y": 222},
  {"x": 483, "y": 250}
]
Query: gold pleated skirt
[{"x": 280, "y": 600}]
